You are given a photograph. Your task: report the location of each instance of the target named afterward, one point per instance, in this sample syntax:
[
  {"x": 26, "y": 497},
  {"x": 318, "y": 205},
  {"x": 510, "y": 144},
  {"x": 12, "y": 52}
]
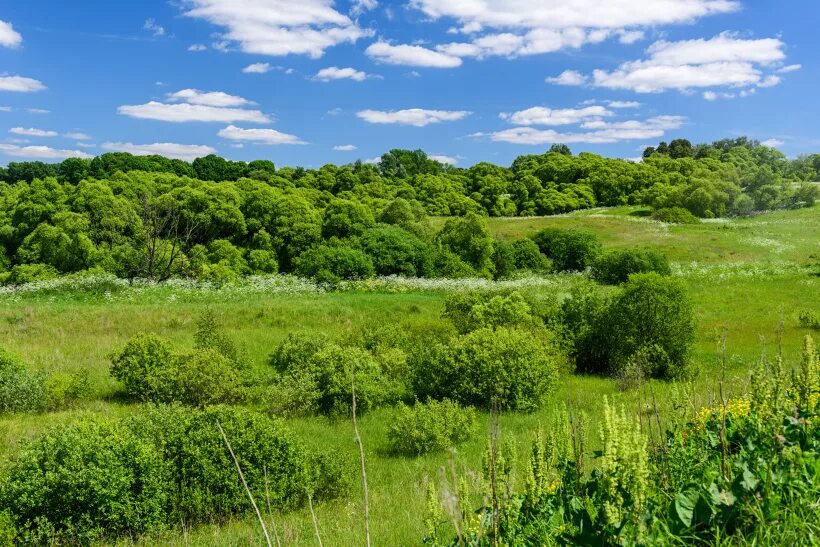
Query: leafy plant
[{"x": 429, "y": 427}]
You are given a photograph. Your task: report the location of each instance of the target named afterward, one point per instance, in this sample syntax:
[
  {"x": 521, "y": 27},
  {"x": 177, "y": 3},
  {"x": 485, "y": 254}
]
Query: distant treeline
[{"x": 155, "y": 217}]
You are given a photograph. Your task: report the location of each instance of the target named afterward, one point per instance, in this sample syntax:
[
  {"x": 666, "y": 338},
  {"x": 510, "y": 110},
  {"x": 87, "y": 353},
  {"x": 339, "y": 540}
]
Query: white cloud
[
  {"x": 37, "y": 111},
  {"x": 40, "y": 152},
  {"x": 187, "y": 152},
  {"x": 197, "y": 47},
  {"x": 32, "y": 132},
  {"x": 417, "y": 117},
  {"x": 623, "y": 104},
  {"x": 210, "y": 98},
  {"x": 361, "y": 6},
  {"x": 411, "y": 55},
  {"x": 77, "y": 136},
  {"x": 345, "y": 147},
  {"x": 184, "y": 112},
  {"x": 257, "y": 68},
  {"x": 20, "y": 84},
  {"x": 373, "y": 161},
  {"x": 441, "y": 158},
  {"x": 539, "y": 115},
  {"x": 8, "y": 36},
  {"x": 789, "y": 68},
  {"x": 259, "y": 136},
  {"x": 774, "y": 143},
  {"x": 336, "y": 73},
  {"x": 5, "y": 109},
  {"x": 599, "y": 132},
  {"x": 85, "y": 145},
  {"x": 721, "y": 61},
  {"x": 278, "y": 27},
  {"x": 568, "y": 77},
  {"x": 528, "y": 27},
  {"x": 151, "y": 25}
]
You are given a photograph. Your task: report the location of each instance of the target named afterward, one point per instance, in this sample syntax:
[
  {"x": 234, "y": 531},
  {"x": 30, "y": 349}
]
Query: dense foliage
[
  {"x": 215, "y": 219},
  {"x": 428, "y": 427}
]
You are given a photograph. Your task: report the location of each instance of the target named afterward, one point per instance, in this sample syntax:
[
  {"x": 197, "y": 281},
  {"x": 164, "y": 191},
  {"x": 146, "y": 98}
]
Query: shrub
[
  {"x": 503, "y": 259},
  {"x": 145, "y": 366},
  {"x": 675, "y": 215},
  {"x": 809, "y": 319},
  {"x": 29, "y": 273},
  {"x": 616, "y": 266},
  {"x": 528, "y": 256},
  {"x": 449, "y": 265},
  {"x": 296, "y": 351},
  {"x": 470, "y": 239},
  {"x": 395, "y": 251},
  {"x": 204, "y": 377},
  {"x": 429, "y": 427},
  {"x": 583, "y": 319},
  {"x": 85, "y": 481},
  {"x": 511, "y": 367},
  {"x": 344, "y": 218},
  {"x": 332, "y": 264},
  {"x": 476, "y": 310},
  {"x": 569, "y": 250},
  {"x": 652, "y": 314},
  {"x": 20, "y": 390}
]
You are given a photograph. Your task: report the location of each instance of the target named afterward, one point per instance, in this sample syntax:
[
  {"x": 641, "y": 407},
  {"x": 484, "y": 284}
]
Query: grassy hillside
[{"x": 745, "y": 276}]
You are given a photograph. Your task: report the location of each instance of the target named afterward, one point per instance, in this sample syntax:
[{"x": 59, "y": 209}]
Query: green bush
[
  {"x": 503, "y": 258},
  {"x": 475, "y": 310},
  {"x": 675, "y": 215},
  {"x": 84, "y": 482},
  {"x": 29, "y": 273},
  {"x": 583, "y": 320},
  {"x": 615, "y": 267},
  {"x": 527, "y": 256},
  {"x": 296, "y": 351},
  {"x": 429, "y": 427},
  {"x": 331, "y": 264},
  {"x": 515, "y": 368},
  {"x": 145, "y": 366},
  {"x": 344, "y": 218},
  {"x": 20, "y": 390},
  {"x": 449, "y": 265},
  {"x": 204, "y": 377},
  {"x": 569, "y": 250},
  {"x": 395, "y": 251},
  {"x": 470, "y": 239}
]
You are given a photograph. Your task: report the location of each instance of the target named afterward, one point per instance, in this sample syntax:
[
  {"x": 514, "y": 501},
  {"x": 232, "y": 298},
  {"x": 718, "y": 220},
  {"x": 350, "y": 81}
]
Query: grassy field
[{"x": 744, "y": 276}]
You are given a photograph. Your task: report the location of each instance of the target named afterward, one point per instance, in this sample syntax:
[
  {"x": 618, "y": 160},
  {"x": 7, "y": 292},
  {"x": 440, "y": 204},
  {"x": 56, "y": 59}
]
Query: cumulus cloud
[
  {"x": 336, "y": 73},
  {"x": 8, "y": 36},
  {"x": 187, "y": 152},
  {"x": 539, "y": 115},
  {"x": 197, "y": 106},
  {"x": 598, "y": 132},
  {"x": 528, "y": 27},
  {"x": 411, "y": 55},
  {"x": 361, "y": 6},
  {"x": 418, "y": 117},
  {"x": 345, "y": 148},
  {"x": 20, "y": 84},
  {"x": 568, "y": 77},
  {"x": 32, "y": 132},
  {"x": 774, "y": 143},
  {"x": 721, "y": 61},
  {"x": 441, "y": 158},
  {"x": 623, "y": 104},
  {"x": 277, "y": 27},
  {"x": 259, "y": 136},
  {"x": 40, "y": 152},
  {"x": 257, "y": 68}
]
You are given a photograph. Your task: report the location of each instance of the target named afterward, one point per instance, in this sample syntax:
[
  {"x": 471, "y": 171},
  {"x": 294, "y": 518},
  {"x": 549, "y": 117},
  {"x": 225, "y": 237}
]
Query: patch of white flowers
[{"x": 736, "y": 270}]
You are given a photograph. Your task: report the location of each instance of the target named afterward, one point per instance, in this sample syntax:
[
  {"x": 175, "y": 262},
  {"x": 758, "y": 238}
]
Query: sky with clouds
[{"x": 321, "y": 81}]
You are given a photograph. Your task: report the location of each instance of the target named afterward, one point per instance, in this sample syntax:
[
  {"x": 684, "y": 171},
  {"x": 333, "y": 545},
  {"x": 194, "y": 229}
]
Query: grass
[{"x": 68, "y": 331}]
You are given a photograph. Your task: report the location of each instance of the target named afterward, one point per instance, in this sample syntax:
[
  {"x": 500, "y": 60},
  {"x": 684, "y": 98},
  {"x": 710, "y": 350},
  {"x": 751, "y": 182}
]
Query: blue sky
[{"x": 310, "y": 82}]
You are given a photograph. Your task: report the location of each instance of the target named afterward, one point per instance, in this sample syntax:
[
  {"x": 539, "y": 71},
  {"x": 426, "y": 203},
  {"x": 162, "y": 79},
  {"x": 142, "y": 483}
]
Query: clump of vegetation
[
  {"x": 20, "y": 390},
  {"x": 569, "y": 250},
  {"x": 429, "y": 427},
  {"x": 615, "y": 267},
  {"x": 97, "y": 479},
  {"x": 809, "y": 319},
  {"x": 674, "y": 215},
  {"x": 512, "y": 368},
  {"x": 475, "y": 310},
  {"x": 333, "y": 263}
]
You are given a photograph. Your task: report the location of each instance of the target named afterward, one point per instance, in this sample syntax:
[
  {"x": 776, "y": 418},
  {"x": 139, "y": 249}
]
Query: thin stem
[
  {"x": 364, "y": 469},
  {"x": 245, "y": 484},
  {"x": 315, "y": 521},
  {"x": 270, "y": 512}
]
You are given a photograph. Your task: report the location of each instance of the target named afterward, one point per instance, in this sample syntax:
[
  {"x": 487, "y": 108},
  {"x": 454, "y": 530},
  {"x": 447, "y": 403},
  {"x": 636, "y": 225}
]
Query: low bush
[
  {"x": 475, "y": 310},
  {"x": 514, "y": 368},
  {"x": 675, "y": 215},
  {"x": 145, "y": 366},
  {"x": 429, "y": 427},
  {"x": 569, "y": 250},
  {"x": 21, "y": 274},
  {"x": 333, "y": 263},
  {"x": 86, "y": 481},
  {"x": 615, "y": 267},
  {"x": 20, "y": 390}
]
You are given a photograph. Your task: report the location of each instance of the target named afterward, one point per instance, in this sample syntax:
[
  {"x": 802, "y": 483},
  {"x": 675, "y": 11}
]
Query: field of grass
[{"x": 745, "y": 277}]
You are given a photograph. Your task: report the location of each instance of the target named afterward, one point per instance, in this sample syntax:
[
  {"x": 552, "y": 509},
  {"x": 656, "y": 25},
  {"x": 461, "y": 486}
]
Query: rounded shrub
[
  {"x": 527, "y": 256},
  {"x": 615, "y": 267},
  {"x": 475, "y": 310},
  {"x": 145, "y": 367},
  {"x": 205, "y": 377},
  {"x": 396, "y": 251},
  {"x": 85, "y": 482},
  {"x": 675, "y": 215},
  {"x": 331, "y": 264},
  {"x": 20, "y": 390},
  {"x": 429, "y": 427},
  {"x": 569, "y": 250},
  {"x": 513, "y": 368}
]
